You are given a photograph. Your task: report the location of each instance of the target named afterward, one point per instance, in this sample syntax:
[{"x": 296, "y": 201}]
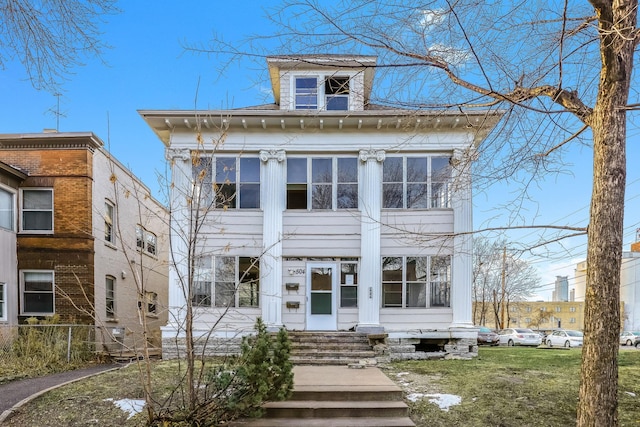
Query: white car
[
  {"x": 519, "y": 336},
  {"x": 630, "y": 338},
  {"x": 565, "y": 338}
]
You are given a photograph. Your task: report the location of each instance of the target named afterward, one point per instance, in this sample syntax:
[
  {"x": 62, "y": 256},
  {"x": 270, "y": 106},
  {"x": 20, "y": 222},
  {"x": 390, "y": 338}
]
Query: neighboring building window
[
  {"x": 3, "y": 302},
  {"x": 109, "y": 223},
  {"x": 237, "y": 183},
  {"x": 514, "y": 308},
  {"x": 572, "y": 320},
  {"x": 416, "y": 182},
  {"x": 306, "y": 93},
  {"x": 572, "y": 309},
  {"x": 6, "y": 209},
  {"x": 543, "y": 308},
  {"x": 38, "y": 292},
  {"x": 149, "y": 303},
  {"x": 146, "y": 240},
  {"x": 527, "y": 320},
  {"x": 37, "y": 210},
  {"x": 405, "y": 280},
  {"x": 558, "y": 309},
  {"x": 348, "y": 284},
  {"x": 110, "y": 296},
  {"x": 216, "y": 280},
  {"x": 322, "y": 182},
  {"x": 528, "y": 309}
]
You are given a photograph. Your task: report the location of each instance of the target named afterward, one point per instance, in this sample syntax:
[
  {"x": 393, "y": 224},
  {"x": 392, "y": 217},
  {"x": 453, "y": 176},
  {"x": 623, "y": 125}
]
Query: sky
[{"x": 147, "y": 67}]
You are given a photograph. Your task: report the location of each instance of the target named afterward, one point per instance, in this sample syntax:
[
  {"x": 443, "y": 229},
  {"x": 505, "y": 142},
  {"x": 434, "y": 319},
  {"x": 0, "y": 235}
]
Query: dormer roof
[{"x": 361, "y": 63}]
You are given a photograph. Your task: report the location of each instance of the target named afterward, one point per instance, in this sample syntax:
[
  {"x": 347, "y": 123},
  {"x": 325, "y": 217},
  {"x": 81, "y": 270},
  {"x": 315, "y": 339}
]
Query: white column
[
  {"x": 370, "y": 277},
  {"x": 273, "y": 204},
  {"x": 462, "y": 263},
  {"x": 180, "y": 161}
]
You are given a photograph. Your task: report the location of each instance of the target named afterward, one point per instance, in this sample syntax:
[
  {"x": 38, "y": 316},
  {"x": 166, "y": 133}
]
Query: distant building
[
  {"x": 629, "y": 285},
  {"x": 539, "y": 315},
  {"x": 91, "y": 242},
  {"x": 561, "y": 292}
]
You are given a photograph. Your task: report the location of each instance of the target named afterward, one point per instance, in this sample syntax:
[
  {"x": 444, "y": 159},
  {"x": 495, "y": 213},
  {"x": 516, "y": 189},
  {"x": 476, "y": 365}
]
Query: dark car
[{"x": 487, "y": 336}]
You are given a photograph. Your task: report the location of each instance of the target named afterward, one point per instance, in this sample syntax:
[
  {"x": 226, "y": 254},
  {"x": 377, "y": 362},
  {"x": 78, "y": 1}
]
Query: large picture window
[
  {"x": 322, "y": 183},
  {"x": 416, "y": 182},
  {"x": 37, "y": 210},
  {"x": 6, "y": 209},
  {"x": 416, "y": 281},
  {"x": 224, "y": 281},
  {"x": 37, "y": 292}
]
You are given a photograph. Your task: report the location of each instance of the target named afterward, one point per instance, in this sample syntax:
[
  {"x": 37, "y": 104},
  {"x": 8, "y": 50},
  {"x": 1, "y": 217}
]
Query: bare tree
[
  {"x": 499, "y": 277},
  {"x": 51, "y": 38},
  {"x": 561, "y": 72}
]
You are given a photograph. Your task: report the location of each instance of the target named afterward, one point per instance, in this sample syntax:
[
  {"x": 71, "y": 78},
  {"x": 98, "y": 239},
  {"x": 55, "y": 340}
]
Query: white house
[{"x": 328, "y": 212}]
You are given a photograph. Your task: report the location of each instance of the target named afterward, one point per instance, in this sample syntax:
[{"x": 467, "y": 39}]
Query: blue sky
[{"x": 147, "y": 68}]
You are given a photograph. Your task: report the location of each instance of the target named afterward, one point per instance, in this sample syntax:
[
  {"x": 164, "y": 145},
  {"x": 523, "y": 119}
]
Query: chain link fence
[{"x": 28, "y": 350}]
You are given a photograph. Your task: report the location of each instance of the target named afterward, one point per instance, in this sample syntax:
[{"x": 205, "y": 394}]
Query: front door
[{"x": 321, "y": 296}]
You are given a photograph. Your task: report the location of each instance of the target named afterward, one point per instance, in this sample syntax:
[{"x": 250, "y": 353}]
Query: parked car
[
  {"x": 565, "y": 338},
  {"x": 487, "y": 336},
  {"x": 519, "y": 336},
  {"x": 630, "y": 338}
]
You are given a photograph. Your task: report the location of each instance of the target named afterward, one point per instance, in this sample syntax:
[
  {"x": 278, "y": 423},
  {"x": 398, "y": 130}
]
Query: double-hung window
[
  {"x": 416, "y": 182},
  {"x": 37, "y": 210},
  {"x": 110, "y": 296},
  {"x": 6, "y": 209},
  {"x": 416, "y": 281},
  {"x": 322, "y": 183},
  {"x": 306, "y": 93},
  {"x": 226, "y": 281},
  {"x": 38, "y": 292},
  {"x": 109, "y": 223},
  {"x": 3, "y": 302},
  {"x": 146, "y": 241}
]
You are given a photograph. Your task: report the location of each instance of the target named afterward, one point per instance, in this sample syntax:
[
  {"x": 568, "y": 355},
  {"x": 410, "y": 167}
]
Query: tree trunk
[{"x": 599, "y": 373}]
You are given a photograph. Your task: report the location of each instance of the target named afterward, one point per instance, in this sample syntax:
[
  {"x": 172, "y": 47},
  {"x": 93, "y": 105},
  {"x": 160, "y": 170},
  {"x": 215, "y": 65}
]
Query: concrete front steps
[
  {"x": 337, "y": 396},
  {"x": 329, "y": 348}
]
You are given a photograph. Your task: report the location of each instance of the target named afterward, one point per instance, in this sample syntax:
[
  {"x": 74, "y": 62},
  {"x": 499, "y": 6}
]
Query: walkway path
[{"x": 17, "y": 393}]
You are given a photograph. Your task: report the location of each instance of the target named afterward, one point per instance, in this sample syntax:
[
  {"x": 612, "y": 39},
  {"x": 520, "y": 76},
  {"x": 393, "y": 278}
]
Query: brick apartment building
[{"x": 91, "y": 241}]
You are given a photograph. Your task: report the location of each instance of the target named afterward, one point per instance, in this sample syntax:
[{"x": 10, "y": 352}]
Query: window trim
[
  {"x": 22, "y": 293},
  {"x": 22, "y": 210},
  {"x": 13, "y": 208}
]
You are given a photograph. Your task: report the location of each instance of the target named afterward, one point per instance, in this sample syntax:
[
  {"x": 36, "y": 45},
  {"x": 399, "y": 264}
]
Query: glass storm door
[{"x": 321, "y": 297}]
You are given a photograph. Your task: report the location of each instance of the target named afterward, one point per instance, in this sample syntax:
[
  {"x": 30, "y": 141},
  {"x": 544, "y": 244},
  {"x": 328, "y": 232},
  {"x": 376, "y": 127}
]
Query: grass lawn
[
  {"x": 503, "y": 386},
  {"x": 511, "y": 386}
]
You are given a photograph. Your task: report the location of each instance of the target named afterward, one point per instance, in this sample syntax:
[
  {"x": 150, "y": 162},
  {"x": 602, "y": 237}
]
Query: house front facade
[
  {"x": 90, "y": 243},
  {"x": 322, "y": 211}
]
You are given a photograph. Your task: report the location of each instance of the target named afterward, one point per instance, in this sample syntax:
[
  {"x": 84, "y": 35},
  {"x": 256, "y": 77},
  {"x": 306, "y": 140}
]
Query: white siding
[
  {"x": 412, "y": 232},
  {"x": 234, "y": 232},
  {"x": 415, "y": 319},
  {"x": 321, "y": 234}
]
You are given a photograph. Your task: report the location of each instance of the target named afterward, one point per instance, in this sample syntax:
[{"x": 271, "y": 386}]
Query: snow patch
[
  {"x": 444, "y": 401},
  {"x": 130, "y": 406}
]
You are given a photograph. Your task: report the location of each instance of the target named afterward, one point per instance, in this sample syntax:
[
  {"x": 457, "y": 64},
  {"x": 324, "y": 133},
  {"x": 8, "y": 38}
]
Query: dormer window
[
  {"x": 333, "y": 95},
  {"x": 336, "y": 91}
]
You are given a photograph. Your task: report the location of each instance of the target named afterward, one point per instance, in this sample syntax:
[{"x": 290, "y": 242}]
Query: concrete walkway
[{"x": 17, "y": 393}]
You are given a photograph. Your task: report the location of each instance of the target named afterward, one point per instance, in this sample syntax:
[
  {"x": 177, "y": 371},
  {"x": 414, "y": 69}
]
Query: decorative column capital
[
  {"x": 266, "y": 155},
  {"x": 366, "y": 155},
  {"x": 177, "y": 153}
]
